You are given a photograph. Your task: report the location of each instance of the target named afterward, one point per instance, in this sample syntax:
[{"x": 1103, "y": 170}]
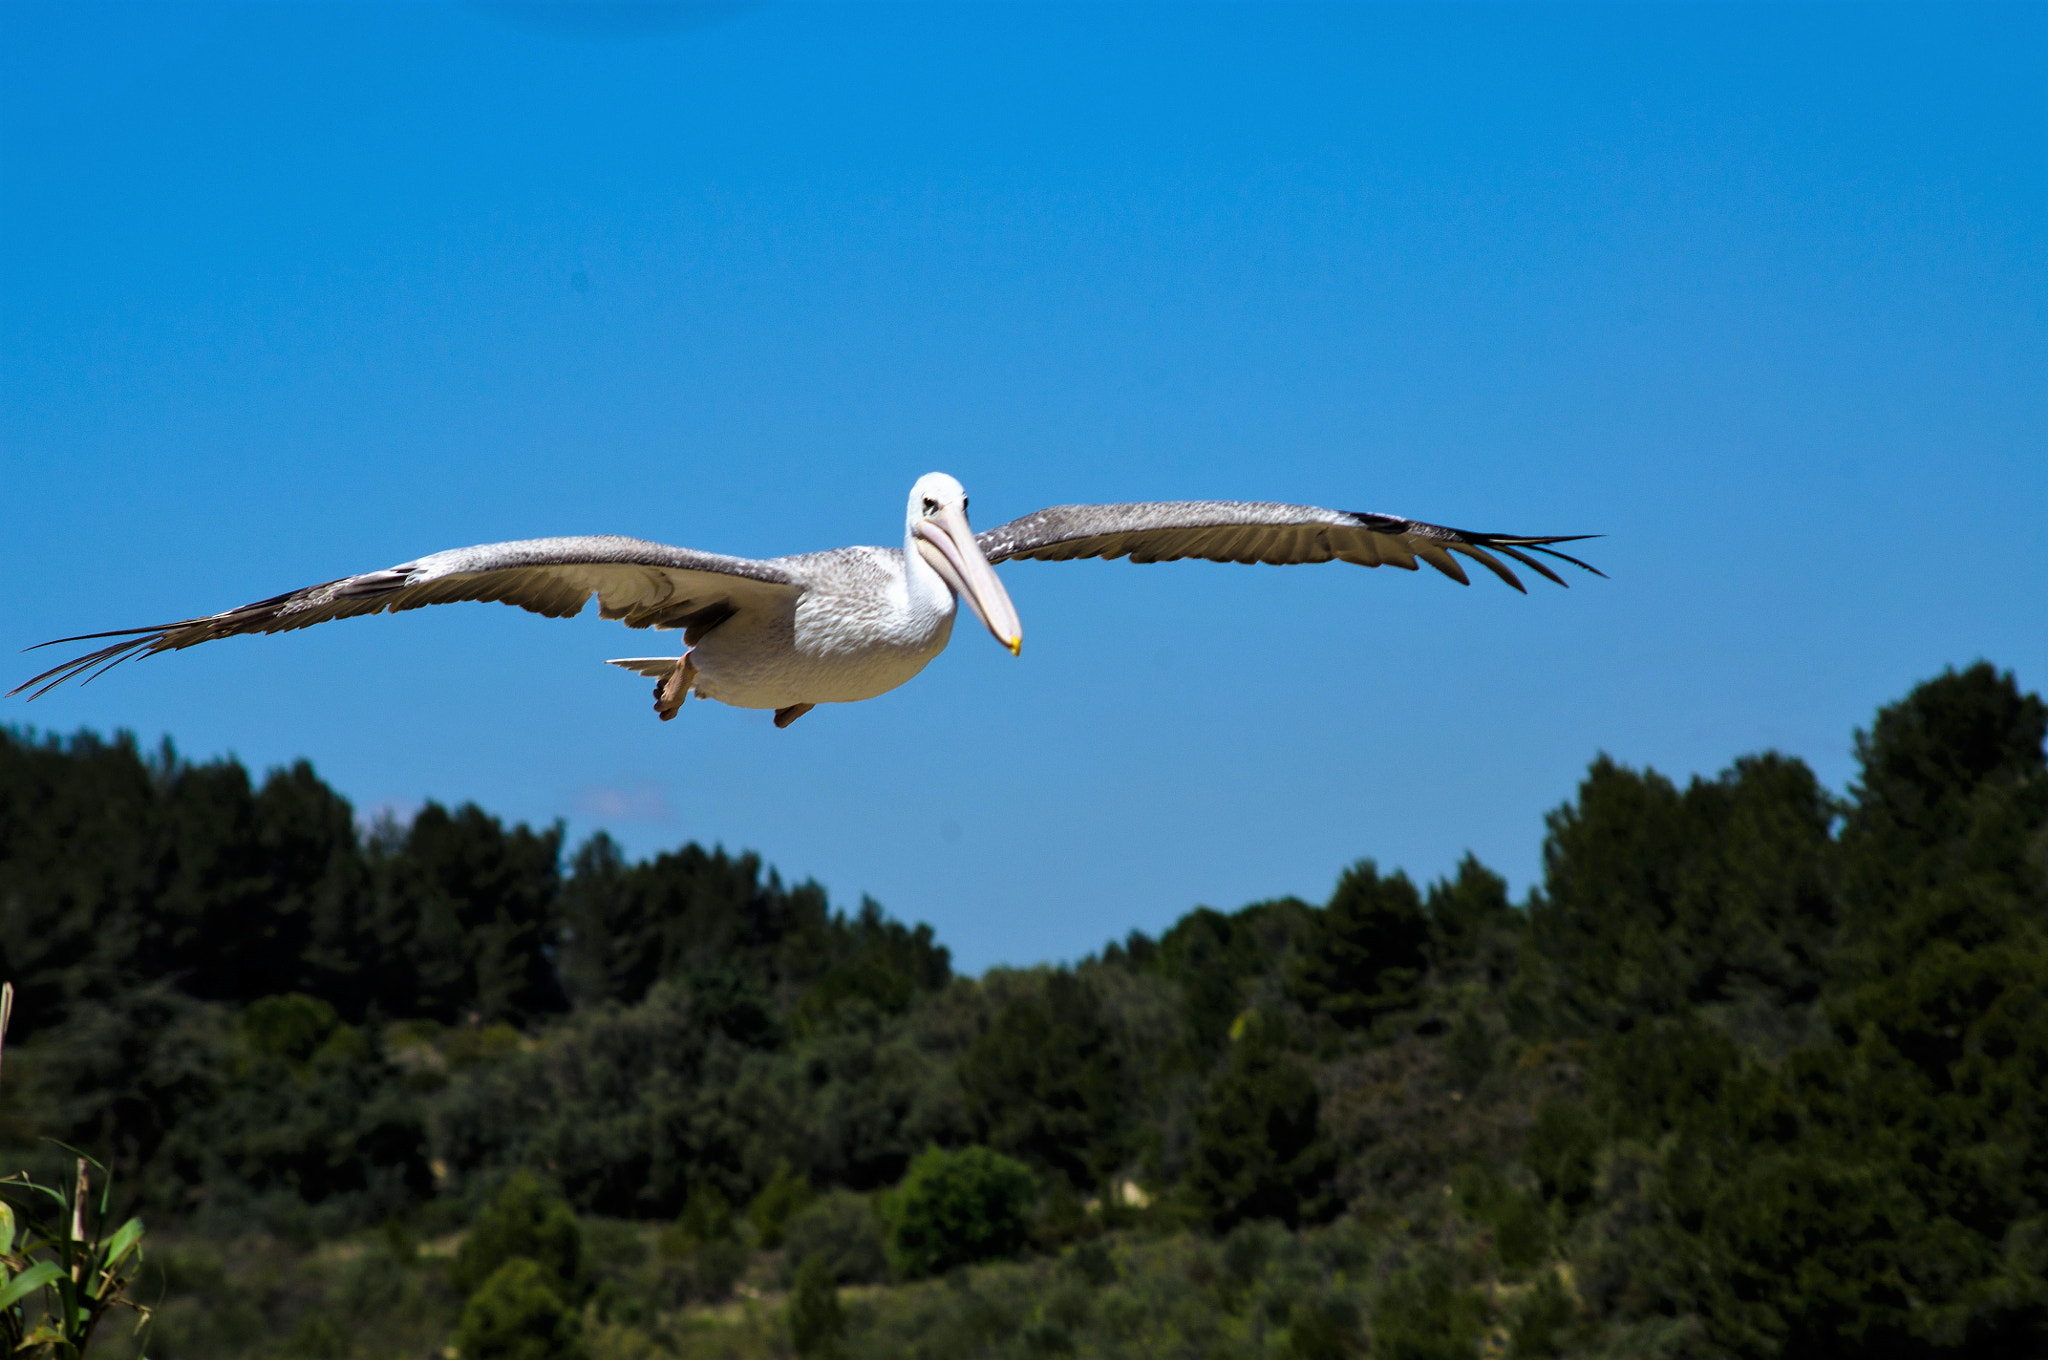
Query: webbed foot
[{"x": 670, "y": 692}]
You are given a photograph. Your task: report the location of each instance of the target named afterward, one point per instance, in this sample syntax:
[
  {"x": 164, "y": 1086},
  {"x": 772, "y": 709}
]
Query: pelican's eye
[{"x": 931, "y": 507}]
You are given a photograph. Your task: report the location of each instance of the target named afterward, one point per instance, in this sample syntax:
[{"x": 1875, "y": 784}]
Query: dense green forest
[{"x": 1759, "y": 1070}]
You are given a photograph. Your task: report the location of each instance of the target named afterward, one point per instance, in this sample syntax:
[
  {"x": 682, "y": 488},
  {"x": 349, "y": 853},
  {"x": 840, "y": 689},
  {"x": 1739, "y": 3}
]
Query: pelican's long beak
[{"x": 945, "y": 541}]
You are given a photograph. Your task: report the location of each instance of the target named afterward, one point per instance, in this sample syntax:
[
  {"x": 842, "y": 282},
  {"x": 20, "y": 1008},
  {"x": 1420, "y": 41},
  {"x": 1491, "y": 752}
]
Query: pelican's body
[
  {"x": 835, "y": 627},
  {"x": 864, "y": 623}
]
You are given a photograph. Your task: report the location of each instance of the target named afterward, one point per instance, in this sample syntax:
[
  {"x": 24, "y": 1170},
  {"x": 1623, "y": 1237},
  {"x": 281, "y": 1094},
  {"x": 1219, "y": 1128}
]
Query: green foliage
[
  {"x": 1873, "y": 1193},
  {"x": 606, "y": 1109},
  {"x": 518, "y": 1314},
  {"x": 1366, "y": 951},
  {"x": 1428, "y": 1312},
  {"x": 841, "y": 1229},
  {"x": 706, "y": 1237},
  {"x": 461, "y": 915},
  {"x": 1049, "y": 1083},
  {"x": 880, "y": 967},
  {"x": 1093, "y": 1263},
  {"x": 784, "y": 1194},
  {"x": 1757, "y": 1073},
  {"x": 689, "y": 914},
  {"x": 62, "y": 1269},
  {"x": 1562, "y": 1151},
  {"x": 63, "y": 1266},
  {"x": 1952, "y": 778},
  {"x": 958, "y": 1207},
  {"x": 132, "y": 1077},
  {"x": 1246, "y": 1252},
  {"x": 293, "y": 1028},
  {"x": 333, "y": 1129},
  {"x": 1468, "y": 913},
  {"x": 524, "y": 1221},
  {"x": 1656, "y": 900},
  {"x": 1471, "y": 1048},
  {"x": 1517, "y": 1219},
  {"x": 1258, "y": 1146},
  {"x": 1544, "y": 1319},
  {"x": 1211, "y": 957},
  {"x": 816, "y": 1323},
  {"x": 1876, "y": 1191},
  {"x": 117, "y": 870},
  {"x": 706, "y": 1217},
  {"x": 1327, "y": 1329}
]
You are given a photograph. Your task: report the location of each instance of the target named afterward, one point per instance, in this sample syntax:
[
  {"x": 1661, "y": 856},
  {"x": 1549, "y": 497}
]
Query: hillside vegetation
[{"x": 1759, "y": 1070}]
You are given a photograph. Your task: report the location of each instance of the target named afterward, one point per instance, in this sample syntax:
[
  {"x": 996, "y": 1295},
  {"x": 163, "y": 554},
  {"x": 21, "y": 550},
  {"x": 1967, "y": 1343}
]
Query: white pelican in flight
[{"x": 790, "y": 633}]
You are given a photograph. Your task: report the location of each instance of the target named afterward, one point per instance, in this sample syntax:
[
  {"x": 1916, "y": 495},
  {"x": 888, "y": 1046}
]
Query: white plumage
[{"x": 832, "y": 627}]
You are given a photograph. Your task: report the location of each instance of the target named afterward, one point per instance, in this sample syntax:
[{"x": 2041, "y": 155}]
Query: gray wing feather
[
  {"x": 1264, "y": 531},
  {"x": 641, "y": 584}
]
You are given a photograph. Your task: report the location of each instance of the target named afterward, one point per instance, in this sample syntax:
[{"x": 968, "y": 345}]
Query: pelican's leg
[
  {"x": 785, "y": 716},
  {"x": 669, "y": 693}
]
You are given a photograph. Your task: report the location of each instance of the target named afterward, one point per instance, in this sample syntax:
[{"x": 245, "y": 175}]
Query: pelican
[{"x": 790, "y": 633}]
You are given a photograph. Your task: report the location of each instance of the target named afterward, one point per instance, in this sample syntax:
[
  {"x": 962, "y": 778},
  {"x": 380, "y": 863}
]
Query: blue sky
[{"x": 1760, "y": 293}]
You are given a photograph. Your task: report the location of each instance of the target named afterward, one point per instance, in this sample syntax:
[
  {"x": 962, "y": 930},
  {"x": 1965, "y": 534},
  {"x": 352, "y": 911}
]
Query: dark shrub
[
  {"x": 1258, "y": 1148},
  {"x": 840, "y": 1228},
  {"x": 784, "y": 1194},
  {"x": 525, "y": 1221},
  {"x": 705, "y": 1237},
  {"x": 1368, "y": 948},
  {"x": 815, "y": 1322},
  {"x": 958, "y": 1207},
  {"x": 518, "y": 1315}
]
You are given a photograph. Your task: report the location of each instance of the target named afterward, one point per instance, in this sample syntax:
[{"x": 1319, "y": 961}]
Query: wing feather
[
  {"x": 641, "y": 584},
  {"x": 1393, "y": 552},
  {"x": 1270, "y": 532},
  {"x": 1434, "y": 554},
  {"x": 1485, "y": 559}
]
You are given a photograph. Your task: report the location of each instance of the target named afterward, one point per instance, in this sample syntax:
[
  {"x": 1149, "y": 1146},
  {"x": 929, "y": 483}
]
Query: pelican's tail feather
[
  {"x": 653, "y": 667},
  {"x": 672, "y": 677}
]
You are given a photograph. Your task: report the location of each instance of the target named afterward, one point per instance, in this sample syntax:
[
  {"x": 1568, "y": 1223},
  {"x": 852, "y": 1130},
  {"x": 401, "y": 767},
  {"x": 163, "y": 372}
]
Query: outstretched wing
[
  {"x": 642, "y": 584},
  {"x": 1263, "y": 531}
]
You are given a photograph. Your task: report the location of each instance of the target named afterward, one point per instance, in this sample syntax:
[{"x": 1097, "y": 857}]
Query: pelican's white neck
[{"x": 929, "y": 595}]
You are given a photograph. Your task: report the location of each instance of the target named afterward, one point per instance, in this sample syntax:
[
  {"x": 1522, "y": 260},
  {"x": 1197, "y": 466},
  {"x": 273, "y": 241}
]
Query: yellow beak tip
[{"x": 1016, "y": 646}]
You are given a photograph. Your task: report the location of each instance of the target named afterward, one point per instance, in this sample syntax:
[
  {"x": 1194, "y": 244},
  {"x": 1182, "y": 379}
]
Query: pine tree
[
  {"x": 1258, "y": 1151},
  {"x": 1367, "y": 950}
]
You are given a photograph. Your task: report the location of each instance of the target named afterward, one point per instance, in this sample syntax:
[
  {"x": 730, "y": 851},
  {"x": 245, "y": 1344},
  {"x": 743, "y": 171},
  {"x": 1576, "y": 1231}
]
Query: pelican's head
[{"x": 938, "y": 527}]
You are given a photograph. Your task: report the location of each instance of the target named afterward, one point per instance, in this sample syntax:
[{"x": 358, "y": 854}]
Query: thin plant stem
[{"x": 78, "y": 1198}]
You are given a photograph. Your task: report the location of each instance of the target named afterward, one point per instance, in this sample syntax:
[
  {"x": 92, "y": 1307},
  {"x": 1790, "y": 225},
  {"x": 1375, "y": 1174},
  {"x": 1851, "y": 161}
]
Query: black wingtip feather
[
  {"x": 1510, "y": 544},
  {"x": 1582, "y": 566},
  {"x": 1515, "y": 544},
  {"x": 111, "y": 632},
  {"x": 97, "y": 662}
]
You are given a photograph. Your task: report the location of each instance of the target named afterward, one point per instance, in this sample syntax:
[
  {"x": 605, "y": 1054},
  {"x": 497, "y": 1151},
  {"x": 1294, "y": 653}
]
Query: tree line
[{"x": 1759, "y": 1068}]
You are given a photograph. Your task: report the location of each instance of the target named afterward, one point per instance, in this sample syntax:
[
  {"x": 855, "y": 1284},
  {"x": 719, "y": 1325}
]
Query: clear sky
[{"x": 1760, "y": 293}]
